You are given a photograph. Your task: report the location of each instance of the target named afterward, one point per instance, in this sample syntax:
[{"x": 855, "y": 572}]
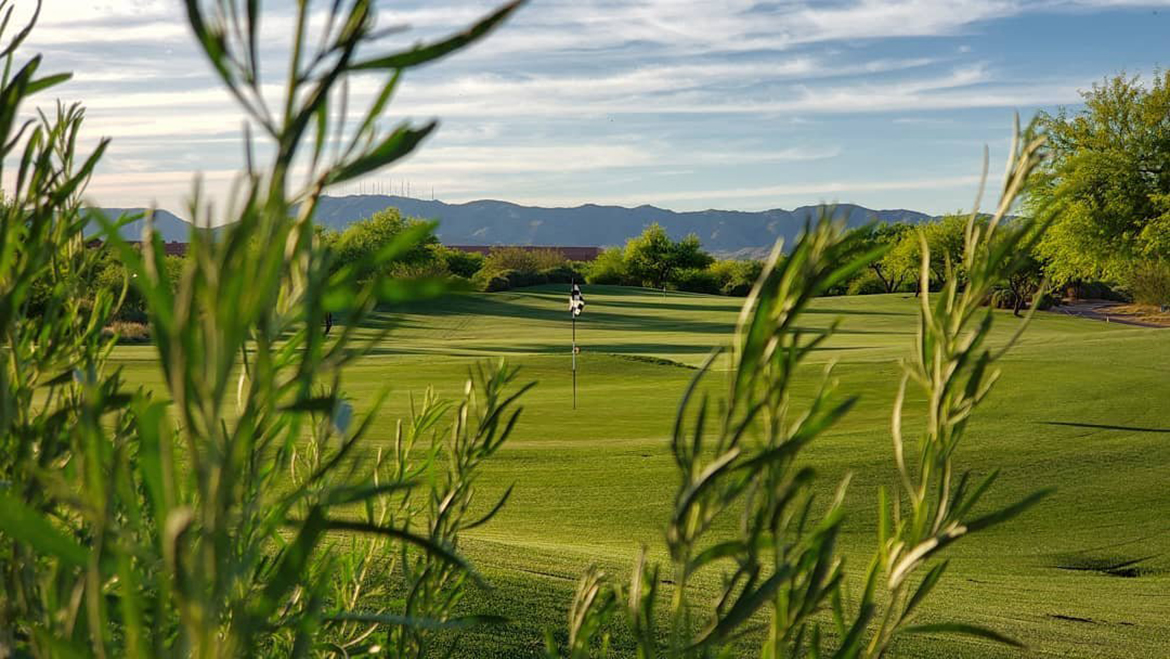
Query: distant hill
[
  {"x": 488, "y": 222},
  {"x": 171, "y": 227}
]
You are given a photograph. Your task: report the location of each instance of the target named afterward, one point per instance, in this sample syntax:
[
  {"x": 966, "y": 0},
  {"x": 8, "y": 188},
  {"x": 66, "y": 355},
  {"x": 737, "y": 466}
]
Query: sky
[{"x": 730, "y": 104}]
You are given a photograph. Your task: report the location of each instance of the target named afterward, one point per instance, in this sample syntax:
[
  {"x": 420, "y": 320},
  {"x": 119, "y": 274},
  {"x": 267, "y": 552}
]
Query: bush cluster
[
  {"x": 514, "y": 267},
  {"x": 653, "y": 259},
  {"x": 1148, "y": 282},
  {"x": 503, "y": 268}
]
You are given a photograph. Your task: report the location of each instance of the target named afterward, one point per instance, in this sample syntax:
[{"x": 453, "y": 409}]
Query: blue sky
[{"x": 733, "y": 104}]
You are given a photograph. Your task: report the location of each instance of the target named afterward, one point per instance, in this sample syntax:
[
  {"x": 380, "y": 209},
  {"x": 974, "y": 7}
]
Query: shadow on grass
[
  {"x": 501, "y": 306},
  {"x": 859, "y": 312},
  {"x": 1101, "y": 426},
  {"x": 667, "y": 305},
  {"x": 609, "y": 349},
  {"x": 1114, "y": 566},
  {"x": 553, "y": 349}
]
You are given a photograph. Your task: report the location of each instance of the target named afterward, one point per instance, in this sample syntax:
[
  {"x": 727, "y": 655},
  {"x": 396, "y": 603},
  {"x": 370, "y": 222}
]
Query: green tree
[
  {"x": 944, "y": 238},
  {"x": 1105, "y": 184},
  {"x": 735, "y": 277},
  {"x": 1020, "y": 287},
  {"x": 655, "y": 260},
  {"x": 891, "y": 273},
  {"x": 608, "y": 268},
  {"x": 364, "y": 239}
]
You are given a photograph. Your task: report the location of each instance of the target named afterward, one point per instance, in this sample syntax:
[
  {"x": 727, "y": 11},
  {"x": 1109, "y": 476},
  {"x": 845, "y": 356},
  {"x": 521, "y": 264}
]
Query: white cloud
[{"x": 573, "y": 91}]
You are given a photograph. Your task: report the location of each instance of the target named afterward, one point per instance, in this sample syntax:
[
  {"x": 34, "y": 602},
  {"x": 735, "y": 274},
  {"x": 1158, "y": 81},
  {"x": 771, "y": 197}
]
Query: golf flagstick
[
  {"x": 576, "y": 305},
  {"x": 574, "y": 361}
]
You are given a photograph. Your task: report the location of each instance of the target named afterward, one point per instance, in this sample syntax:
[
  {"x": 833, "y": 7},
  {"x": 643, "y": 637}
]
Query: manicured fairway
[{"x": 1082, "y": 406}]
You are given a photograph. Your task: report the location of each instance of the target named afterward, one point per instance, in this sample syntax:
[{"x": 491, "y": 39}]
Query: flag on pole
[
  {"x": 576, "y": 306},
  {"x": 576, "y": 301}
]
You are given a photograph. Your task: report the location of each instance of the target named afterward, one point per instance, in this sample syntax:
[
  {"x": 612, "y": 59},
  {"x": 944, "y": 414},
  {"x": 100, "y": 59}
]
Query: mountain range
[{"x": 489, "y": 222}]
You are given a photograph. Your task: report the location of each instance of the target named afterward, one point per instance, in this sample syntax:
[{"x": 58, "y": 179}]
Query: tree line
[{"x": 1104, "y": 194}]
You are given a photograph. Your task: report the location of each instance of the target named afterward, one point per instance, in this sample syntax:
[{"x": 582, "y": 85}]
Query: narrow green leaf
[
  {"x": 41, "y": 84},
  {"x": 716, "y": 552},
  {"x": 924, "y": 588},
  {"x": 344, "y": 495},
  {"x": 746, "y": 605},
  {"x": 25, "y": 525},
  {"x": 426, "y": 544},
  {"x": 293, "y": 560},
  {"x": 425, "y": 53},
  {"x": 399, "y": 291},
  {"x": 495, "y": 510},
  {"x": 395, "y": 146}
]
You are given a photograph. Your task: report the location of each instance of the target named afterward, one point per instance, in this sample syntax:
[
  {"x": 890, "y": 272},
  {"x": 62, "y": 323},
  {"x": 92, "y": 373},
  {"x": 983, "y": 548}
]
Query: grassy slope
[{"x": 1081, "y": 406}]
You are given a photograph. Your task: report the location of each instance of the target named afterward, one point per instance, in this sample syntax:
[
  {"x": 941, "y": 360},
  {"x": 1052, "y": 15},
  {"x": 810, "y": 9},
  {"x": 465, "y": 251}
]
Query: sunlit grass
[{"x": 1080, "y": 408}]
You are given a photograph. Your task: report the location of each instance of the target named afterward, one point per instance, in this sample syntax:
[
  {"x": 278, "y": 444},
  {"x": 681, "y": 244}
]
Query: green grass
[{"x": 1081, "y": 407}]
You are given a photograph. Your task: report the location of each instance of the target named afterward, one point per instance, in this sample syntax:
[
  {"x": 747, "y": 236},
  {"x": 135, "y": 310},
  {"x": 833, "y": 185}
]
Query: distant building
[
  {"x": 570, "y": 253},
  {"x": 173, "y": 248}
]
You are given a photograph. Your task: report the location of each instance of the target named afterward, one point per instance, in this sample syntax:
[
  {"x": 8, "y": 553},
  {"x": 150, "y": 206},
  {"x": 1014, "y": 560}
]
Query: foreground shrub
[
  {"x": 741, "y": 465},
  {"x": 205, "y": 520}
]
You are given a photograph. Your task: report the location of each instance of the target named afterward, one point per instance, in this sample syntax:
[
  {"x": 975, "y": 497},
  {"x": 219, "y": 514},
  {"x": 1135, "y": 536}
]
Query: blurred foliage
[{"x": 204, "y": 519}]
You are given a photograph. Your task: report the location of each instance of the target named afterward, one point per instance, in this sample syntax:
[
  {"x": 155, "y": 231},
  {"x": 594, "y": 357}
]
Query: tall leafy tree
[
  {"x": 888, "y": 271},
  {"x": 363, "y": 240},
  {"x": 944, "y": 239},
  {"x": 1107, "y": 183},
  {"x": 654, "y": 259}
]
